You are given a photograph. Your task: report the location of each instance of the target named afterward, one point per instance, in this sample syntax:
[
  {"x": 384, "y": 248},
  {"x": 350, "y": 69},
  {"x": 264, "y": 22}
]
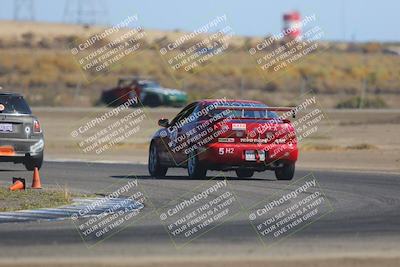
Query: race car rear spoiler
[
  {"x": 283, "y": 109},
  {"x": 277, "y": 109}
]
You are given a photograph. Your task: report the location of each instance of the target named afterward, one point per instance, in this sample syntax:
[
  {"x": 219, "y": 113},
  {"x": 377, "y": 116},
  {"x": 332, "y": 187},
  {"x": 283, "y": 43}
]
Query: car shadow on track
[
  {"x": 12, "y": 170},
  {"x": 174, "y": 177}
]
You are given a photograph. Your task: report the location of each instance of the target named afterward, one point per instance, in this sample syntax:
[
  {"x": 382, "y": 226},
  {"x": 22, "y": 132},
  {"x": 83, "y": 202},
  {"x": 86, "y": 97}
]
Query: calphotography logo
[
  {"x": 211, "y": 123},
  {"x": 284, "y": 49},
  {"x": 100, "y": 218},
  {"x": 107, "y": 48},
  {"x": 106, "y": 130},
  {"x": 192, "y": 51},
  {"x": 198, "y": 212},
  {"x": 289, "y": 211}
]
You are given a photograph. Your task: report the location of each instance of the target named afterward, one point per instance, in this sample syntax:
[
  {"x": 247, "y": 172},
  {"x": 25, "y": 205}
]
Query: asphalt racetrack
[{"x": 365, "y": 216}]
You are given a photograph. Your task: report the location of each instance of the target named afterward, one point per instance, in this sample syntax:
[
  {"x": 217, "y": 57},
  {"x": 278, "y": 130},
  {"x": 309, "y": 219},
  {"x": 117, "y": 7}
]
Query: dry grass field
[{"x": 35, "y": 59}]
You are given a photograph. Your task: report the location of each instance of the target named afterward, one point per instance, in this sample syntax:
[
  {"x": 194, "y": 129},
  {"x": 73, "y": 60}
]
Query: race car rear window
[
  {"x": 13, "y": 105},
  {"x": 243, "y": 113}
]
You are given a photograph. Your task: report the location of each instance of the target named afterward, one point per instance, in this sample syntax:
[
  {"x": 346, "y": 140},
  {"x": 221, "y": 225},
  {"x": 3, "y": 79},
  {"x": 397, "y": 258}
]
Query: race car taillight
[{"x": 36, "y": 127}]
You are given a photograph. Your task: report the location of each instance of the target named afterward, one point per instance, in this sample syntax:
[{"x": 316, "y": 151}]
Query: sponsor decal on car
[
  {"x": 254, "y": 140},
  {"x": 239, "y": 126}
]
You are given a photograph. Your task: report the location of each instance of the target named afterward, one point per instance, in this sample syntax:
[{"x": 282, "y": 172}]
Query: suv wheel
[
  {"x": 243, "y": 173},
  {"x": 195, "y": 168},
  {"x": 32, "y": 162},
  {"x": 154, "y": 165},
  {"x": 286, "y": 172}
]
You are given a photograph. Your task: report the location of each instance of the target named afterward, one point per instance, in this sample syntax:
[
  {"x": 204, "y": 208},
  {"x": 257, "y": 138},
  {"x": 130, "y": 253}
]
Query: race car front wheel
[
  {"x": 286, "y": 172},
  {"x": 154, "y": 165},
  {"x": 244, "y": 173},
  {"x": 195, "y": 168}
]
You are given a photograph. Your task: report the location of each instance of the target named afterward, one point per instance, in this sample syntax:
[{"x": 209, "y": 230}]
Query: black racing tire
[
  {"x": 196, "y": 170},
  {"x": 156, "y": 169},
  {"x": 243, "y": 173},
  {"x": 286, "y": 172},
  {"x": 31, "y": 162}
]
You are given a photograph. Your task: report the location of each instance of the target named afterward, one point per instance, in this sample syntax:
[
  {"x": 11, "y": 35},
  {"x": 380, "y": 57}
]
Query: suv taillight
[{"x": 36, "y": 127}]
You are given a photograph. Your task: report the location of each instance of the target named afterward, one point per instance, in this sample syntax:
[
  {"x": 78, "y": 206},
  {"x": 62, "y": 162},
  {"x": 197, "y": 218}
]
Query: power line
[{"x": 87, "y": 12}]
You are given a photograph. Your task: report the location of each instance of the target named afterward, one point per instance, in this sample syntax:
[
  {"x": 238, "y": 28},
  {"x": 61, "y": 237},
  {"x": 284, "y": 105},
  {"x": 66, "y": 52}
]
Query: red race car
[{"x": 219, "y": 134}]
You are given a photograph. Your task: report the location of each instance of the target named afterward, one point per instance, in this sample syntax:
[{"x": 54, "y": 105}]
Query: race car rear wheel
[
  {"x": 195, "y": 168},
  {"x": 286, "y": 172},
  {"x": 154, "y": 165},
  {"x": 243, "y": 173}
]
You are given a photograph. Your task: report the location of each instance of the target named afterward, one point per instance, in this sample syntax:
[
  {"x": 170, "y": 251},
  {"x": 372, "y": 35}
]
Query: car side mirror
[{"x": 163, "y": 122}]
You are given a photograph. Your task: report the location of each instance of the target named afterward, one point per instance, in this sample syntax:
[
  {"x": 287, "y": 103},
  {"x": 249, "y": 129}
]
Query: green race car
[{"x": 149, "y": 92}]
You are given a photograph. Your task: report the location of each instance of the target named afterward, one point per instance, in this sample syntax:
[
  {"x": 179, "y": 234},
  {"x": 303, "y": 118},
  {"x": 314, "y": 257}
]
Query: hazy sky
[{"x": 361, "y": 20}]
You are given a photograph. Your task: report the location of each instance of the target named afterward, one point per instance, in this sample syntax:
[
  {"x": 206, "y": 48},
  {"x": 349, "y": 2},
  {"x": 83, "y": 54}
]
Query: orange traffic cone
[
  {"x": 36, "y": 184},
  {"x": 18, "y": 184}
]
